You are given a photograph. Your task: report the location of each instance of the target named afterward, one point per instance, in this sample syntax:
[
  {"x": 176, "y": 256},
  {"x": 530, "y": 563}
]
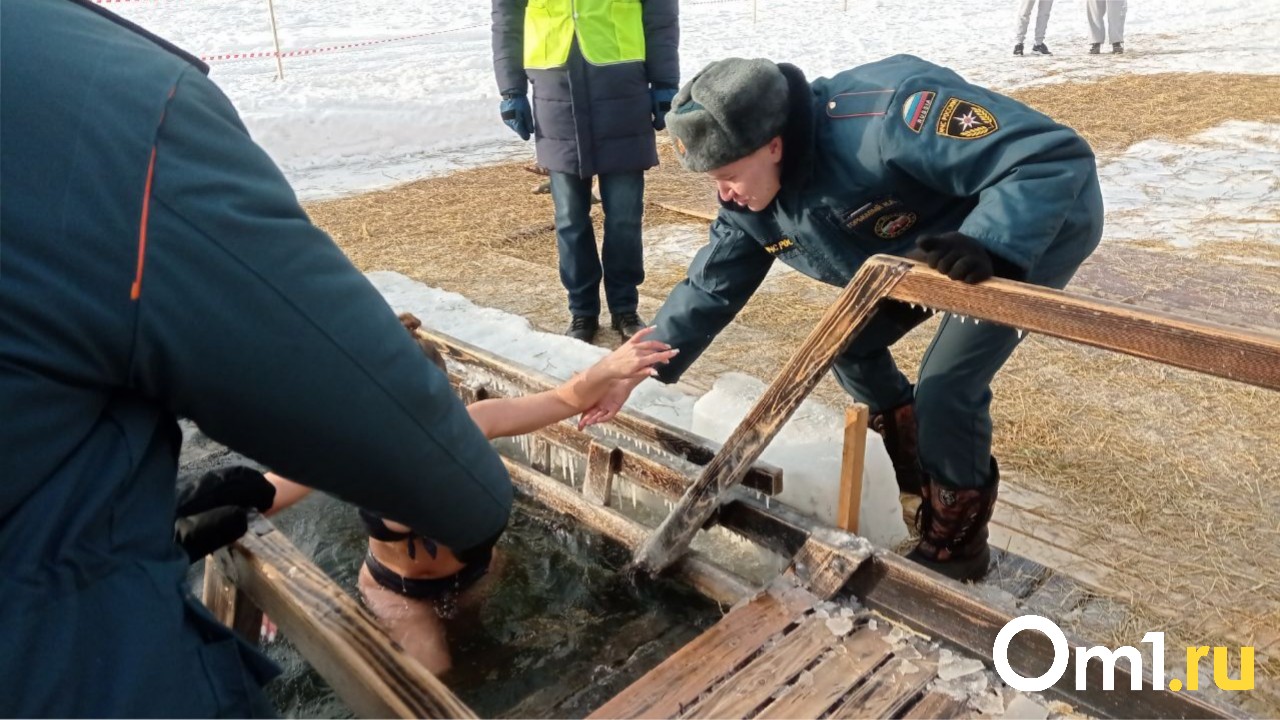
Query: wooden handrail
[
  {"x": 336, "y": 635},
  {"x": 1246, "y": 356},
  {"x": 847, "y": 316},
  {"x": 660, "y": 436},
  {"x": 1250, "y": 357}
]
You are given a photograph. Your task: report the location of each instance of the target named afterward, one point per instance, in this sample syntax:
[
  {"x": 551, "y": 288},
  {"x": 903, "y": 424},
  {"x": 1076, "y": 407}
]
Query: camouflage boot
[
  {"x": 898, "y": 428},
  {"x": 952, "y": 523}
]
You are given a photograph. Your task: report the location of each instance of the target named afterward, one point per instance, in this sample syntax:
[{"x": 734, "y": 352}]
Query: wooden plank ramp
[
  {"x": 1052, "y": 565},
  {"x": 780, "y": 655}
]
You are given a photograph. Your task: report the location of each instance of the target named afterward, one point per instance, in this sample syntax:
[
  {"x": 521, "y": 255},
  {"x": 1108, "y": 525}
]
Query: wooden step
[{"x": 781, "y": 656}]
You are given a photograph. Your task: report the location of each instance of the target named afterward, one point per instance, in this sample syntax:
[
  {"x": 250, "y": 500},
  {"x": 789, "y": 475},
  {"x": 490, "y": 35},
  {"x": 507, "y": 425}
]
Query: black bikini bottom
[{"x": 424, "y": 588}]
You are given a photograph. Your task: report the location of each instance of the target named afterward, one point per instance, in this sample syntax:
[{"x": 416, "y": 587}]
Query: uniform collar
[{"x": 798, "y": 136}]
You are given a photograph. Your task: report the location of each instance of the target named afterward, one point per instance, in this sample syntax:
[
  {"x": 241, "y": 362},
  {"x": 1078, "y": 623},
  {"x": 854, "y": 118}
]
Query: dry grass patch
[{"x": 1116, "y": 112}]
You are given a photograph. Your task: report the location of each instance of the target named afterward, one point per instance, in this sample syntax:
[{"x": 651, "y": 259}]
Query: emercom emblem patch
[
  {"x": 892, "y": 225},
  {"x": 915, "y": 110},
  {"x": 964, "y": 120}
]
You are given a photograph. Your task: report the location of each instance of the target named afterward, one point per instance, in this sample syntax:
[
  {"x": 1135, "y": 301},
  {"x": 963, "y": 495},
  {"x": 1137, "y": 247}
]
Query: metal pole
[{"x": 275, "y": 36}]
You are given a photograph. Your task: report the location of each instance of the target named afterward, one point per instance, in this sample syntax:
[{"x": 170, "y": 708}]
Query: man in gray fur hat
[{"x": 901, "y": 157}]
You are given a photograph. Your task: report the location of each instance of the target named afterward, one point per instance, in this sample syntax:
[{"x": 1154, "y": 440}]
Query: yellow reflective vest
[{"x": 608, "y": 32}]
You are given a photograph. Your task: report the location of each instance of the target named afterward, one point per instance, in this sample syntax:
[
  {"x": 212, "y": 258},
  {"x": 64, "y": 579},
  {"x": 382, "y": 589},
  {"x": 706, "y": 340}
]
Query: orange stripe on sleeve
[{"x": 136, "y": 291}]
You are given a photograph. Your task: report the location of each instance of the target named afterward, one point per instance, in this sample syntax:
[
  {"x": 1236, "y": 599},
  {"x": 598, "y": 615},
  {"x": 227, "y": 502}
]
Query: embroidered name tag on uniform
[
  {"x": 854, "y": 218},
  {"x": 964, "y": 120},
  {"x": 780, "y": 247},
  {"x": 915, "y": 110},
  {"x": 887, "y": 217}
]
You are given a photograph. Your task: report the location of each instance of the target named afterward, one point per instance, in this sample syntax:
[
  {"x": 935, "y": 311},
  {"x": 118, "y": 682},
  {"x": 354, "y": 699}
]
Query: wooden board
[
  {"x": 337, "y": 636},
  {"x": 752, "y": 687},
  {"x": 230, "y": 604},
  {"x": 602, "y": 462},
  {"x": 852, "y": 463},
  {"x": 944, "y": 610},
  {"x": 828, "y": 559},
  {"x": 1251, "y": 357},
  {"x": 936, "y": 705},
  {"x": 851, "y": 311},
  {"x": 827, "y": 683},
  {"x": 1015, "y": 574},
  {"x": 679, "y": 681},
  {"x": 708, "y": 214},
  {"x": 892, "y": 687}
]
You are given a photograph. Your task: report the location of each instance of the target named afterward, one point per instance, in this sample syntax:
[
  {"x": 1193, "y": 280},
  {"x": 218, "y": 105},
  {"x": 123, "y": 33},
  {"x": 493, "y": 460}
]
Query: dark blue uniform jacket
[{"x": 155, "y": 265}]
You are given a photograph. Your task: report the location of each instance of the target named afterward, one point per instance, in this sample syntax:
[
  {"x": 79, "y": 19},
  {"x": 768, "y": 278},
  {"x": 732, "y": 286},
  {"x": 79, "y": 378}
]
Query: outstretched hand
[
  {"x": 635, "y": 359},
  {"x": 608, "y": 406}
]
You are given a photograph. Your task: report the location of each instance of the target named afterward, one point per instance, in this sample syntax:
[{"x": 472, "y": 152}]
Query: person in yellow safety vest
[{"x": 603, "y": 74}]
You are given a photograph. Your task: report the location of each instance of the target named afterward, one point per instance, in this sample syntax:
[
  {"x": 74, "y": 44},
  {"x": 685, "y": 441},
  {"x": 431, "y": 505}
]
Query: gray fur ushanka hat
[{"x": 730, "y": 109}]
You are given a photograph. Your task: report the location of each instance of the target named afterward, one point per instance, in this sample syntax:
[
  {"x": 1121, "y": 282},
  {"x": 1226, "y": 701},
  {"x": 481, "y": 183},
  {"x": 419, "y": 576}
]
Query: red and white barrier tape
[{"x": 223, "y": 57}]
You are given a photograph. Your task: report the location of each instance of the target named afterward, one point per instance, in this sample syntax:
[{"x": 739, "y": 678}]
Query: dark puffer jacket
[{"x": 591, "y": 119}]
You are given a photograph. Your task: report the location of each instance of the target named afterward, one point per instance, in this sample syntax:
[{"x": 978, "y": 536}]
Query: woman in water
[{"x": 408, "y": 580}]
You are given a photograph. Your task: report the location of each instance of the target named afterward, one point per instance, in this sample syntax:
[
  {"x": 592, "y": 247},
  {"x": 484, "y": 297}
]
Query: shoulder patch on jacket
[
  {"x": 866, "y": 103},
  {"x": 965, "y": 120},
  {"x": 915, "y": 109}
]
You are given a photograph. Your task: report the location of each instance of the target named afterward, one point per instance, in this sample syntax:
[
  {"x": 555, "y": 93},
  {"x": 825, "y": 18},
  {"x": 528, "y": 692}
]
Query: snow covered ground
[
  {"x": 382, "y": 114},
  {"x": 1222, "y": 184}
]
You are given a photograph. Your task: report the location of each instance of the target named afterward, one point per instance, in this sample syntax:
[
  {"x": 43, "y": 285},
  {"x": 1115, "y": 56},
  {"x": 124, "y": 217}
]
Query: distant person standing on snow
[
  {"x": 603, "y": 75},
  {"x": 1100, "y": 11},
  {"x": 1042, "y": 21}
]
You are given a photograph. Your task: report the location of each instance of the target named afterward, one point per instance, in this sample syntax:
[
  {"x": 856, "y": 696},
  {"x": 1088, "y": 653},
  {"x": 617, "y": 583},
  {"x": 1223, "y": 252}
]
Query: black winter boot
[
  {"x": 1117, "y": 48},
  {"x": 1095, "y": 48},
  {"x": 583, "y": 328},
  {"x": 1017, "y": 49},
  {"x": 1040, "y": 49},
  {"x": 627, "y": 324},
  {"x": 952, "y": 523},
  {"x": 898, "y": 428}
]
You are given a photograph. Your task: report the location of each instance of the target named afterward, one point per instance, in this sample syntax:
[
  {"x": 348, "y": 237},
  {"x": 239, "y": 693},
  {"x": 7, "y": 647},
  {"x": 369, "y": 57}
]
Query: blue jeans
[{"x": 622, "y": 195}]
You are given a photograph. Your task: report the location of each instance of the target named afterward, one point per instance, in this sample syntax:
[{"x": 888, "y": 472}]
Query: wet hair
[{"x": 412, "y": 323}]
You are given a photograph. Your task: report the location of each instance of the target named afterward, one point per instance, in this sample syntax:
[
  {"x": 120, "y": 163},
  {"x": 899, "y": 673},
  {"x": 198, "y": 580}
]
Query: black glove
[
  {"x": 955, "y": 255},
  {"x": 213, "y": 511}
]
